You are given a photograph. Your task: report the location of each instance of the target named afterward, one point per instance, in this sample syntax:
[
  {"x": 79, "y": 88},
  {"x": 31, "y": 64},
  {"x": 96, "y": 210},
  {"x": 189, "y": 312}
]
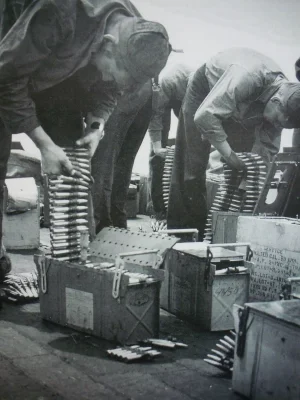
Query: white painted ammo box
[
  {"x": 268, "y": 365},
  {"x": 202, "y": 282}
]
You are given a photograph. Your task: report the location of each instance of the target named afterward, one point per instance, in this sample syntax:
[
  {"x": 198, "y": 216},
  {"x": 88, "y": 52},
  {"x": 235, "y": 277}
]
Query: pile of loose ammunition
[
  {"x": 232, "y": 196},
  {"x": 167, "y": 174},
  {"x": 133, "y": 353},
  {"x": 224, "y": 354},
  {"x": 69, "y": 199},
  {"x": 22, "y": 286}
]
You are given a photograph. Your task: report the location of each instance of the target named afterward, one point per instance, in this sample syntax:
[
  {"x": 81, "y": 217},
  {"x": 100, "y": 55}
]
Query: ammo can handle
[
  {"x": 249, "y": 253},
  {"x": 41, "y": 261}
]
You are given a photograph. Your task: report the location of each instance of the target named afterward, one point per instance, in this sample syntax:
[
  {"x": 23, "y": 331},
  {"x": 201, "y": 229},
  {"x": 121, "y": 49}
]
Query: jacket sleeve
[
  {"x": 104, "y": 104},
  {"x": 160, "y": 108},
  {"x": 236, "y": 86},
  {"x": 31, "y": 39},
  {"x": 267, "y": 141}
]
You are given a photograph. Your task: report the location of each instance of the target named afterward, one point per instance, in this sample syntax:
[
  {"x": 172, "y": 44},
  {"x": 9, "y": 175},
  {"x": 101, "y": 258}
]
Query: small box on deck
[
  {"x": 268, "y": 366},
  {"x": 21, "y": 218},
  {"x": 202, "y": 283}
]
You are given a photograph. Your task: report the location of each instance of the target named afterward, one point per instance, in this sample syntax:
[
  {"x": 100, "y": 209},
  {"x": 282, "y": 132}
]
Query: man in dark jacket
[
  {"x": 237, "y": 85},
  {"x": 61, "y": 61}
]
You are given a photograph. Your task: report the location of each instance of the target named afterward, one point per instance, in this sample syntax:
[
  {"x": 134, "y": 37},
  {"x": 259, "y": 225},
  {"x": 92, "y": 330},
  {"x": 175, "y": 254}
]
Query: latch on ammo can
[
  {"x": 242, "y": 333},
  {"x": 208, "y": 277},
  {"x": 120, "y": 264}
]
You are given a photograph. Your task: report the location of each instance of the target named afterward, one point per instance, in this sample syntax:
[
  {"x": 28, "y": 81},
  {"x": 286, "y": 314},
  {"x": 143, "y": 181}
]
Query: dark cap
[
  {"x": 144, "y": 47},
  {"x": 297, "y": 69},
  {"x": 291, "y": 101}
]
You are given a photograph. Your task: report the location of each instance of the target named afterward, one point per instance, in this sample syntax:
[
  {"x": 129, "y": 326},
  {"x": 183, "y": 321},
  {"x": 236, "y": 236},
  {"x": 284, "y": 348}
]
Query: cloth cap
[
  {"x": 144, "y": 47},
  {"x": 292, "y": 104},
  {"x": 297, "y": 69}
]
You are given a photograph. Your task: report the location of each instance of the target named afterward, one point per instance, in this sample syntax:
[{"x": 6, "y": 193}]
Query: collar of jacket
[{"x": 271, "y": 89}]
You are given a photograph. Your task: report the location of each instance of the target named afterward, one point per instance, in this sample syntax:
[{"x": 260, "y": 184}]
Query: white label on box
[
  {"x": 273, "y": 266},
  {"x": 80, "y": 308}
]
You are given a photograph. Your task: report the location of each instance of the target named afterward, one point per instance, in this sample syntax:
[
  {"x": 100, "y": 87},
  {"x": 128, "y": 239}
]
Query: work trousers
[
  {"x": 113, "y": 162},
  {"x": 187, "y": 207},
  {"x": 156, "y": 163}
]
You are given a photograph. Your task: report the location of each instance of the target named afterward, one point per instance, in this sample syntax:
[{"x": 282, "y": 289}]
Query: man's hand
[
  {"x": 161, "y": 153},
  {"x": 55, "y": 161},
  {"x": 235, "y": 162},
  {"x": 92, "y": 137},
  {"x": 158, "y": 150}
]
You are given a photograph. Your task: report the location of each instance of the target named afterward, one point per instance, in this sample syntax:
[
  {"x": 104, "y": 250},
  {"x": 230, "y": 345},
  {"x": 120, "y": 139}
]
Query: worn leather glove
[{"x": 235, "y": 162}]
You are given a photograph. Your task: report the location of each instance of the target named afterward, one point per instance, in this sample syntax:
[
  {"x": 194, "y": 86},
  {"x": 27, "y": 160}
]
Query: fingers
[
  {"x": 67, "y": 167},
  {"x": 91, "y": 141},
  {"x": 83, "y": 141}
]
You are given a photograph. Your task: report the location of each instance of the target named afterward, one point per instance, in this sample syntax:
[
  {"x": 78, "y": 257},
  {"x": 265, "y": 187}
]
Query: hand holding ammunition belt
[
  {"x": 240, "y": 190},
  {"x": 69, "y": 199}
]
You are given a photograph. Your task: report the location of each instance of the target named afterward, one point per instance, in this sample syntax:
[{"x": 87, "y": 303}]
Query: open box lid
[
  {"x": 111, "y": 242},
  {"x": 219, "y": 251}
]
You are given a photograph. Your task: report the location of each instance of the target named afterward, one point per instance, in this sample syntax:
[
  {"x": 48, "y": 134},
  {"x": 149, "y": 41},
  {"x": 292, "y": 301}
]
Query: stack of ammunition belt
[
  {"x": 223, "y": 356},
  {"x": 69, "y": 199},
  {"x": 167, "y": 174},
  {"x": 230, "y": 197}
]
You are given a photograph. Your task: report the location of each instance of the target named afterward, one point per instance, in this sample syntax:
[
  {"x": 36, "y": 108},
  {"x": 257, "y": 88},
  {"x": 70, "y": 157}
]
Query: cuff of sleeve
[
  {"x": 155, "y": 136},
  {"x": 24, "y": 126},
  {"x": 213, "y": 138},
  {"x": 101, "y": 114}
]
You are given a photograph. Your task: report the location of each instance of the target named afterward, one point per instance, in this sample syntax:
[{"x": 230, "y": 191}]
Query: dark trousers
[
  {"x": 156, "y": 163},
  {"x": 296, "y": 138},
  {"x": 5, "y": 144},
  {"x": 187, "y": 200},
  {"x": 187, "y": 206},
  {"x": 113, "y": 162}
]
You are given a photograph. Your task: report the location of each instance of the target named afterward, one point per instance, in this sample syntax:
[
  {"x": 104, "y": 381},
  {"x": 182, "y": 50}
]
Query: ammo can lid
[
  {"x": 287, "y": 311},
  {"x": 199, "y": 249}
]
